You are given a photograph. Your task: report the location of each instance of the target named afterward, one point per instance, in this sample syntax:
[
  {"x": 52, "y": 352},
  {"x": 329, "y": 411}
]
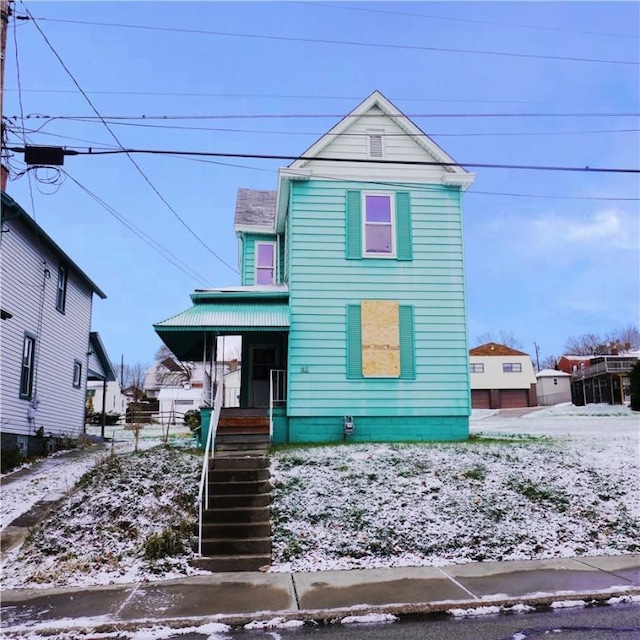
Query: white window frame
[
  {"x": 476, "y": 367},
  {"x": 27, "y": 366},
  {"x": 511, "y": 367},
  {"x": 370, "y": 134},
  {"x": 392, "y": 204},
  {"x": 275, "y": 260}
]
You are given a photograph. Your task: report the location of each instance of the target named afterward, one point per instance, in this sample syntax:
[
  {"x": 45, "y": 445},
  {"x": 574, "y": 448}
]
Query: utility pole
[
  {"x": 537, "y": 348},
  {"x": 5, "y": 12}
]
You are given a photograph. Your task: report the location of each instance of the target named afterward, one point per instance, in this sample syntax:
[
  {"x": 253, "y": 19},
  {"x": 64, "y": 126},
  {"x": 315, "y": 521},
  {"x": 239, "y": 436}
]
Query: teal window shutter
[
  {"x": 354, "y": 226},
  {"x": 404, "y": 242},
  {"x": 354, "y": 341},
  {"x": 407, "y": 343}
]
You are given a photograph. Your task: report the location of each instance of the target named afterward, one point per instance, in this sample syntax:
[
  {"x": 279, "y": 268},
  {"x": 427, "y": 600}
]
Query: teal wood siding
[
  {"x": 248, "y": 271},
  {"x": 323, "y": 282}
]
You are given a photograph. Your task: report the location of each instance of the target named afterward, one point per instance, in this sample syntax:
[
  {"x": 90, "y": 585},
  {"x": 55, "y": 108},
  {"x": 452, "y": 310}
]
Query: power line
[
  {"x": 421, "y": 187},
  {"x": 281, "y": 96},
  {"x": 351, "y": 43},
  {"x": 468, "y": 20},
  {"x": 356, "y": 135},
  {"x": 145, "y": 237},
  {"x": 268, "y": 116},
  {"x": 376, "y": 161},
  {"x": 135, "y": 164}
]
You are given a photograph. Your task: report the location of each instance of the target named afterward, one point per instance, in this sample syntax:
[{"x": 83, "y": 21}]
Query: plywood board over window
[{"x": 380, "y": 339}]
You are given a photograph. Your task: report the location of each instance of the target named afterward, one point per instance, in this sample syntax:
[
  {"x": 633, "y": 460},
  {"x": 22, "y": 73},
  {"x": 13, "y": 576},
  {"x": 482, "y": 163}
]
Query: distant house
[
  {"x": 603, "y": 379},
  {"x": 553, "y": 387},
  {"x": 569, "y": 363},
  {"x": 351, "y": 304},
  {"x": 501, "y": 378},
  {"x": 45, "y": 336}
]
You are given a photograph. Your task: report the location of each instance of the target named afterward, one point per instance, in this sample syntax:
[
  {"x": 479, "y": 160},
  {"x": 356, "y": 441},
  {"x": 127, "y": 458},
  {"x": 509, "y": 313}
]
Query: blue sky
[{"x": 541, "y": 268}]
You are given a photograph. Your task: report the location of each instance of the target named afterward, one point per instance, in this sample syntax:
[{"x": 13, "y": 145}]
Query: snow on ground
[{"x": 557, "y": 482}]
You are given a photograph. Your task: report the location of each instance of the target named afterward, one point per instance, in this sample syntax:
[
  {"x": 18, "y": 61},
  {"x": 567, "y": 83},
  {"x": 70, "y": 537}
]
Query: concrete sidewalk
[{"x": 238, "y": 598}]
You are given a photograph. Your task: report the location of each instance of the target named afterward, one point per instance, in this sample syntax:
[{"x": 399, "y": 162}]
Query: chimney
[{"x": 4, "y": 178}]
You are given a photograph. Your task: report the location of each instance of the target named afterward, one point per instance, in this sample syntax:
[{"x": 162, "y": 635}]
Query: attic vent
[{"x": 375, "y": 145}]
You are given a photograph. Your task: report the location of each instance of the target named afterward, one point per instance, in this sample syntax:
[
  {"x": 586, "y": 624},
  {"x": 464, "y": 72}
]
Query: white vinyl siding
[{"x": 28, "y": 280}]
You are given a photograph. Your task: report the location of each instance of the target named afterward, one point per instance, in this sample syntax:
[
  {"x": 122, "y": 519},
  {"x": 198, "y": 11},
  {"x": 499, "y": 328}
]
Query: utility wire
[
  {"x": 350, "y": 43},
  {"x": 135, "y": 164},
  {"x": 280, "y": 96},
  {"x": 468, "y": 20},
  {"x": 356, "y": 135},
  {"x": 145, "y": 237},
  {"x": 267, "y": 116},
  {"x": 420, "y": 187},
  {"x": 418, "y": 163}
]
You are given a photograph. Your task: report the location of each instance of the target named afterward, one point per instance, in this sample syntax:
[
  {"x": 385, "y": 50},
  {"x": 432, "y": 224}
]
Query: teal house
[{"x": 351, "y": 305}]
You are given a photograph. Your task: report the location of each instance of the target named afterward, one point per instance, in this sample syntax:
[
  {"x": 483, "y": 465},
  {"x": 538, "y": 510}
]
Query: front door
[{"x": 263, "y": 359}]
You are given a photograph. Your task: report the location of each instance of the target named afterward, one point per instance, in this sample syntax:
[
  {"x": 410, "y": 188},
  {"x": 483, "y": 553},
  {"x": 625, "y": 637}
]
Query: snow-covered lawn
[{"x": 557, "y": 482}]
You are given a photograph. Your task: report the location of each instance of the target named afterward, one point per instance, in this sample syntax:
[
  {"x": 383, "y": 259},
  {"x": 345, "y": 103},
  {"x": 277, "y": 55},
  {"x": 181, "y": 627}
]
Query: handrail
[
  {"x": 203, "y": 490},
  {"x": 276, "y": 394}
]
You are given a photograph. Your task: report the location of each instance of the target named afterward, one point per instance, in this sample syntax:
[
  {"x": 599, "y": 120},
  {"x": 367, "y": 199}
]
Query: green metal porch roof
[{"x": 229, "y": 317}]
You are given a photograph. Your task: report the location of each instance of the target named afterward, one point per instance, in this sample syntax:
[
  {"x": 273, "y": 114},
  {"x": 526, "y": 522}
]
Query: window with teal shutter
[
  {"x": 354, "y": 341},
  {"x": 404, "y": 249},
  {"x": 353, "y": 226},
  {"x": 407, "y": 343},
  {"x": 400, "y": 213}
]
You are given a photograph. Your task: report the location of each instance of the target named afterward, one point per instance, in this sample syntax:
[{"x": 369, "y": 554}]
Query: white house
[
  {"x": 45, "y": 336},
  {"x": 501, "y": 378},
  {"x": 553, "y": 387}
]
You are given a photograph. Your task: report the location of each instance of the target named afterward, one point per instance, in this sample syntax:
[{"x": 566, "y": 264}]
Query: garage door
[
  {"x": 481, "y": 399},
  {"x": 514, "y": 398}
]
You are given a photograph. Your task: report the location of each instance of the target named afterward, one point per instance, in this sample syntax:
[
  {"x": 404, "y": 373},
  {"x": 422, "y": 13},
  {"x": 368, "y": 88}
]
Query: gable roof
[
  {"x": 17, "y": 212},
  {"x": 376, "y": 99},
  {"x": 552, "y": 373},
  {"x": 495, "y": 349},
  {"x": 255, "y": 208},
  {"x": 96, "y": 345}
]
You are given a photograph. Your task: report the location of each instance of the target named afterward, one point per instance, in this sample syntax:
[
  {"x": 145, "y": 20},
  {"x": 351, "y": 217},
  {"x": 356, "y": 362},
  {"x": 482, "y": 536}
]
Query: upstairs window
[
  {"x": 265, "y": 263},
  {"x": 379, "y": 224},
  {"x": 477, "y": 367},
  {"x": 511, "y": 367},
  {"x": 27, "y": 371},
  {"x": 61, "y": 291},
  {"x": 77, "y": 373}
]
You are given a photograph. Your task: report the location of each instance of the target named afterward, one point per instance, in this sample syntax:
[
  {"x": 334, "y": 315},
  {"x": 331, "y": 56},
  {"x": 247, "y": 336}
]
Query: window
[
  {"x": 555, "y": 382},
  {"x": 26, "y": 374},
  {"x": 77, "y": 373},
  {"x": 184, "y": 402},
  {"x": 511, "y": 367},
  {"x": 374, "y": 139},
  {"x": 477, "y": 367},
  {"x": 265, "y": 263},
  {"x": 380, "y": 340},
  {"x": 61, "y": 291},
  {"x": 378, "y": 225}
]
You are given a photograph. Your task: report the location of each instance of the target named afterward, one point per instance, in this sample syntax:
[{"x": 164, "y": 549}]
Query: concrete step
[
  {"x": 255, "y": 487},
  {"x": 238, "y": 475},
  {"x": 239, "y": 501},
  {"x": 239, "y": 514},
  {"x": 236, "y": 530},
  {"x": 231, "y": 546},
  {"x": 239, "y": 462},
  {"x": 247, "y": 562}
]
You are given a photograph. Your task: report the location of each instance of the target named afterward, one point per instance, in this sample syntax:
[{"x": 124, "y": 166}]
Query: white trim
[
  {"x": 274, "y": 244},
  {"x": 363, "y": 222},
  {"x": 258, "y": 230}
]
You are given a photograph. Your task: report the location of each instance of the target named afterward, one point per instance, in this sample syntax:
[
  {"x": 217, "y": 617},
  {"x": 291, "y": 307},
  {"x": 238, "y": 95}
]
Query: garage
[
  {"x": 480, "y": 399},
  {"x": 514, "y": 398}
]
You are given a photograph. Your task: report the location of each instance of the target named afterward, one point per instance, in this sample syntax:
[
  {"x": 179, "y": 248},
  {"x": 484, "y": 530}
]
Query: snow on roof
[{"x": 552, "y": 373}]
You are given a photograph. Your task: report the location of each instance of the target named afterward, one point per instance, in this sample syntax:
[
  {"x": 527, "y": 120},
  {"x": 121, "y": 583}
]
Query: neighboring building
[
  {"x": 569, "y": 364},
  {"x": 352, "y": 302},
  {"x": 553, "y": 387},
  {"x": 604, "y": 379},
  {"x": 501, "y": 378},
  {"x": 44, "y": 338}
]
